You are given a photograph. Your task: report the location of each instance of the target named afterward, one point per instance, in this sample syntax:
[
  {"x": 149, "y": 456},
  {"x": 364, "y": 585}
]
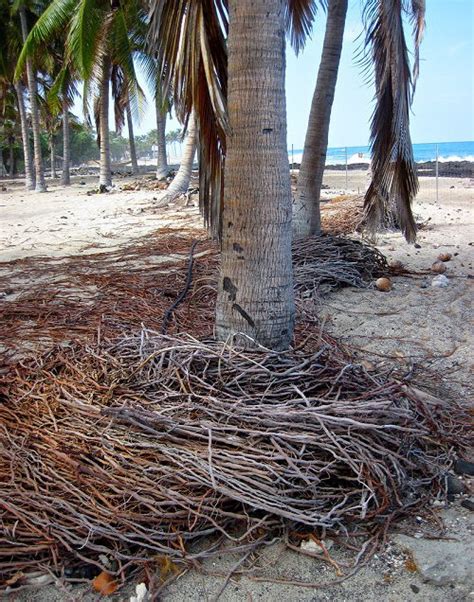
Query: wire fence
[{"x": 439, "y": 167}]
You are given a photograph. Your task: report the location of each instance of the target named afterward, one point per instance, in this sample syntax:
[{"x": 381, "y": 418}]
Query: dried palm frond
[
  {"x": 299, "y": 19},
  {"x": 394, "y": 180},
  {"x": 189, "y": 39}
]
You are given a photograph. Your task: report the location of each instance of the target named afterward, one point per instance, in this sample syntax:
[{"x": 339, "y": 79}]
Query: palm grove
[{"x": 221, "y": 65}]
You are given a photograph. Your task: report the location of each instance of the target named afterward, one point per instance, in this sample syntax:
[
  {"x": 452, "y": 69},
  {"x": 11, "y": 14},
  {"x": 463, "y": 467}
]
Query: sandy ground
[{"x": 414, "y": 322}]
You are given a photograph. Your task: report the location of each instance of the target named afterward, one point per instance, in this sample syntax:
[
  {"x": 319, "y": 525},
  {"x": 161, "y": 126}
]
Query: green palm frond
[
  {"x": 87, "y": 33},
  {"x": 54, "y": 19},
  {"x": 394, "y": 180}
]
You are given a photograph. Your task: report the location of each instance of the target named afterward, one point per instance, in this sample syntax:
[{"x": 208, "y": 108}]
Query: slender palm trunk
[
  {"x": 53, "y": 157},
  {"x": 131, "y": 140},
  {"x": 29, "y": 169},
  {"x": 180, "y": 184},
  {"x": 66, "y": 176},
  {"x": 162, "y": 168},
  {"x": 255, "y": 288},
  {"x": 307, "y": 216},
  {"x": 40, "y": 185},
  {"x": 11, "y": 159},
  {"x": 105, "y": 178}
]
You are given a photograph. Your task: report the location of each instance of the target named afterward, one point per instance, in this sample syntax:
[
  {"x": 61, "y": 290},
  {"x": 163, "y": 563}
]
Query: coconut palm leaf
[
  {"x": 189, "y": 40},
  {"x": 54, "y": 19},
  {"x": 394, "y": 179},
  {"x": 299, "y": 17}
]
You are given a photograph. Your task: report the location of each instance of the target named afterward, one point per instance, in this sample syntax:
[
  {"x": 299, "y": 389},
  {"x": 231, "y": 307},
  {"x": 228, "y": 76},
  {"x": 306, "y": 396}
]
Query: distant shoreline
[{"x": 448, "y": 169}]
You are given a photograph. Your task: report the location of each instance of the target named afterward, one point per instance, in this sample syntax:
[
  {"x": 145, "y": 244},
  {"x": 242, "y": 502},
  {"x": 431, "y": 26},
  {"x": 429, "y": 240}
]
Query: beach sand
[{"x": 414, "y": 322}]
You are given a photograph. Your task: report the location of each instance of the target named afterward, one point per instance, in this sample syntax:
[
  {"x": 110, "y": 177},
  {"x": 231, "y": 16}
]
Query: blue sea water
[{"x": 447, "y": 151}]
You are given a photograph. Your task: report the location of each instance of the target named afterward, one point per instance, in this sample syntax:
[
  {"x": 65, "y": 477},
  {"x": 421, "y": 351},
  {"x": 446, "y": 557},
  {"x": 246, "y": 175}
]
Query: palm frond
[
  {"x": 86, "y": 35},
  {"x": 416, "y": 10},
  {"x": 54, "y": 19},
  {"x": 189, "y": 40},
  {"x": 394, "y": 180},
  {"x": 299, "y": 17}
]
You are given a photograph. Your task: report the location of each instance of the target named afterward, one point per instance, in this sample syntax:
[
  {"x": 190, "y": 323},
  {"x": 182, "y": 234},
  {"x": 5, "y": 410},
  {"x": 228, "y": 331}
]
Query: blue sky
[{"x": 444, "y": 103}]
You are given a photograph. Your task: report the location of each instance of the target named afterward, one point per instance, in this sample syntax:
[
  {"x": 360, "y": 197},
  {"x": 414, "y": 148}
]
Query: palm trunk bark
[
  {"x": 53, "y": 158},
  {"x": 29, "y": 170},
  {"x": 255, "y": 288},
  {"x": 180, "y": 183},
  {"x": 307, "y": 215},
  {"x": 66, "y": 174},
  {"x": 40, "y": 184},
  {"x": 162, "y": 168},
  {"x": 131, "y": 140},
  {"x": 105, "y": 178}
]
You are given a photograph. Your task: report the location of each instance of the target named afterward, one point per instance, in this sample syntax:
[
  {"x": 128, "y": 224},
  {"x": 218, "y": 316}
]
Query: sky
[{"x": 443, "y": 109}]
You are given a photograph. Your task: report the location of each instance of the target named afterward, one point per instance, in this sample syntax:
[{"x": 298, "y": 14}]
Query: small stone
[
  {"x": 454, "y": 485},
  {"x": 445, "y": 257},
  {"x": 440, "y": 281},
  {"x": 468, "y": 504},
  {"x": 383, "y": 284},
  {"x": 414, "y": 588},
  {"x": 310, "y": 545},
  {"x": 417, "y": 246},
  {"x": 438, "y": 267},
  {"x": 395, "y": 264},
  {"x": 460, "y": 466}
]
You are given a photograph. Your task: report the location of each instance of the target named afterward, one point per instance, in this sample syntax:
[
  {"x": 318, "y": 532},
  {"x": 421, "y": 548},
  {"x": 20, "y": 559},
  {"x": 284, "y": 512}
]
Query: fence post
[
  {"x": 347, "y": 179},
  {"x": 437, "y": 173}
]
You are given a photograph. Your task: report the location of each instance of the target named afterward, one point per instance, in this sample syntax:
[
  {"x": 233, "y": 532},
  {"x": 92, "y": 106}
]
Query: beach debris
[
  {"x": 311, "y": 545},
  {"x": 440, "y": 281},
  {"x": 176, "y": 410},
  {"x": 445, "y": 257},
  {"x": 464, "y": 467},
  {"x": 141, "y": 594},
  {"x": 383, "y": 284},
  {"x": 105, "y": 584},
  {"x": 454, "y": 485},
  {"x": 395, "y": 264},
  {"x": 468, "y": 504},
  {"x": 438, "y": 267}
]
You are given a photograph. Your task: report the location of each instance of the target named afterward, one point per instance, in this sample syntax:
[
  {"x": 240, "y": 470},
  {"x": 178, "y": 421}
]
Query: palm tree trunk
[
  {"x": 162, "y": 168},
  {"x": 29, "y": 170},
  {"x": 53, "y": 158},
  {"x": 105, "y": 178},
  {"x": 131, "y": 140},
  {"x": 11, "y": 159},
  {"x": 66, "y": 176},
  {"x": 180, "y": 183},
  {"x": 307, "y": 216},
  {"x": 255, "y": 288},
  {"x": 40, "y": 185}
]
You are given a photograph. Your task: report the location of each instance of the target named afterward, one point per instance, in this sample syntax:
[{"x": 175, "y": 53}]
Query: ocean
[{"x": 447, "y": 151}]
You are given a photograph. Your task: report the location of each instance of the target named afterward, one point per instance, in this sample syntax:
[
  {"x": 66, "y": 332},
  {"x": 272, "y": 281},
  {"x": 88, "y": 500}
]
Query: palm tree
[
  {"x": 131, "y": 140},
  {"x": 306, "y": 211},
  {"x": 100, "y": 35},
  {"x": 162, "y": 167},
  {"x": 10, "y": 45},
  {"x": 391, "y": 145},
  {"x": 255, "y": 289},
  {"x": 40, "y": 184},
  {"x": 180, "y": 183},
  {"x": 255, "y": 296}
]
